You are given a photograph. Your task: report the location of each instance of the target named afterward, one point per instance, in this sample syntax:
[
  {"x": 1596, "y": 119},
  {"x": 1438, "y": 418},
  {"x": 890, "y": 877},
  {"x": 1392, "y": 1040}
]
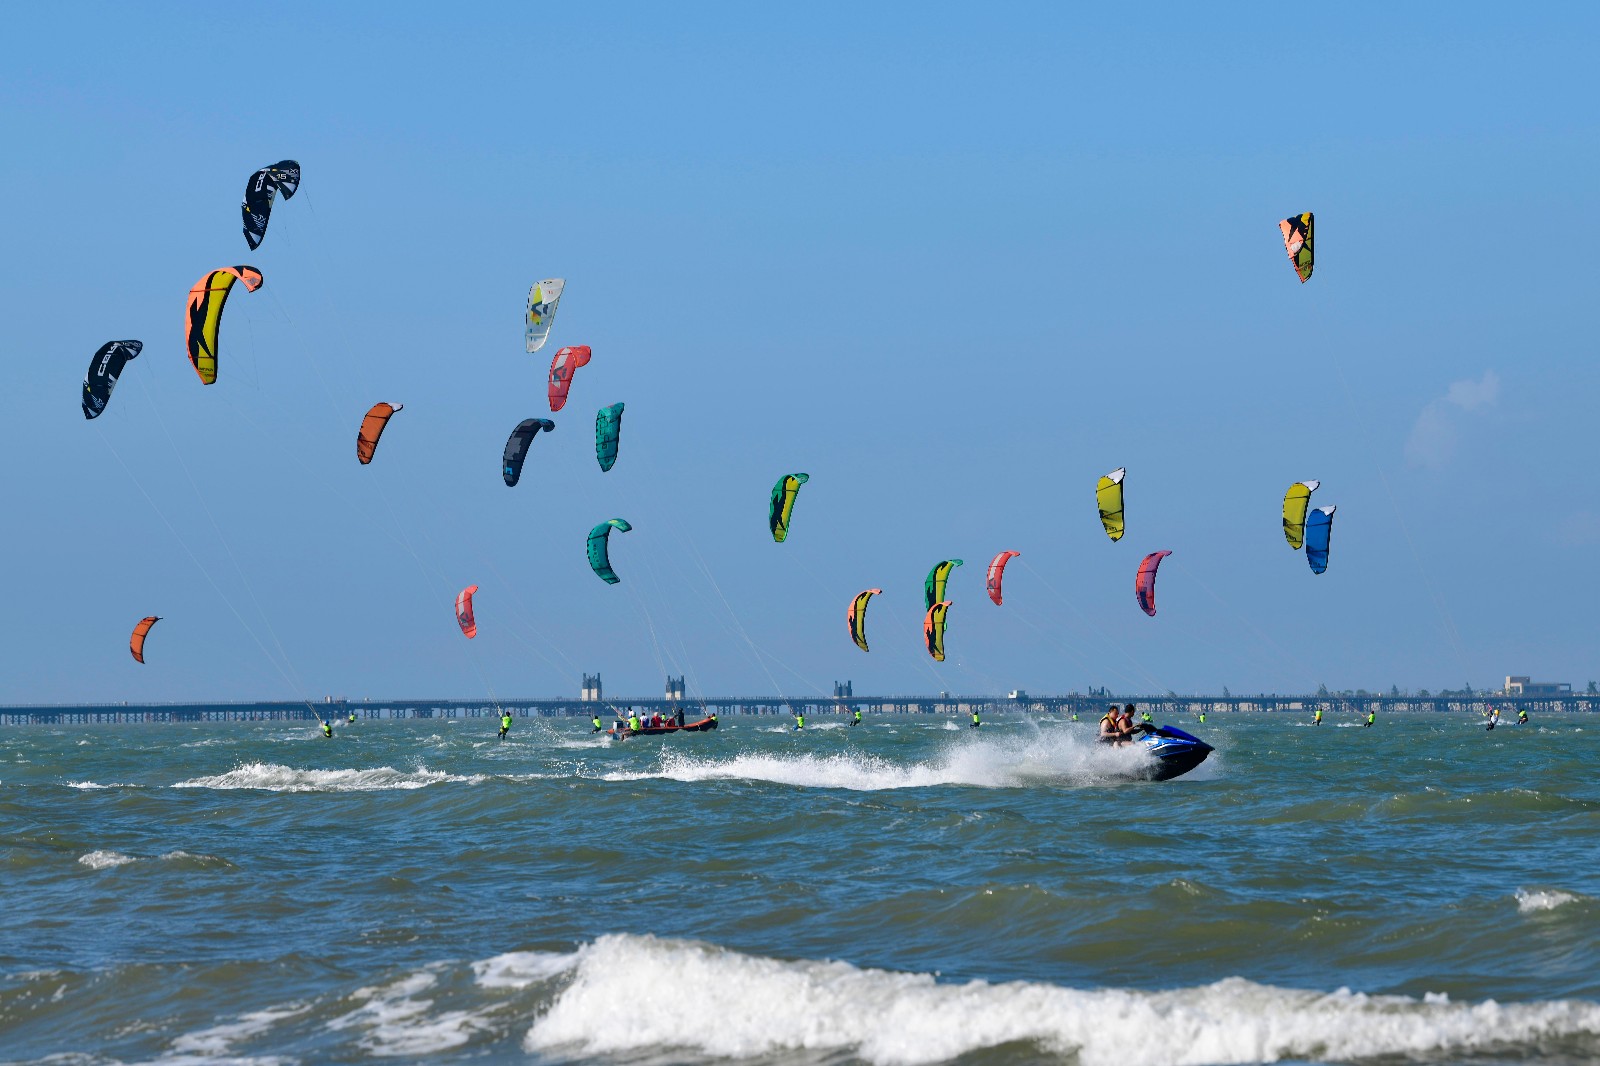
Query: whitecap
[
  {"x": 105, "y": 860},
  {"x": 1531, "y": 900},
  {"x": 833, "y": 1009},
  {"x": 519, "y": 969},
  {"x": 271, "y": 777}
]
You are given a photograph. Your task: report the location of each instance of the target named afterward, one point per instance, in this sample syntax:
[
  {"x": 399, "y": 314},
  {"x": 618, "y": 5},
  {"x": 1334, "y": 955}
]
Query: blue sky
[{"x": 953, "y": 263}]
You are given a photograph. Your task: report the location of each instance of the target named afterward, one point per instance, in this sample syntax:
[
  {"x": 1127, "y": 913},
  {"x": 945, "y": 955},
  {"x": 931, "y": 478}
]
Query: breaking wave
[{"x": 270, "y": 777}]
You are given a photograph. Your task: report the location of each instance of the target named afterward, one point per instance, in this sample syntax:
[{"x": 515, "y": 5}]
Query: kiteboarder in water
[{"x": 505, "y": 724}]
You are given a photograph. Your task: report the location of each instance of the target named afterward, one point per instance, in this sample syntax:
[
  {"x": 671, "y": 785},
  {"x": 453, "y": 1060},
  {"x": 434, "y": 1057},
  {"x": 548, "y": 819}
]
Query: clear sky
[{"x": 954, "y": 262}]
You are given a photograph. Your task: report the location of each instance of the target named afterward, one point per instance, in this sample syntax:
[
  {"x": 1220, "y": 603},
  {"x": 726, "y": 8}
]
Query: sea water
[{"x": 898, "y": 893}]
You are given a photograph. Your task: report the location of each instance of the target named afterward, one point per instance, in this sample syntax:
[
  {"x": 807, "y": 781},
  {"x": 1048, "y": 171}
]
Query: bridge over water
[{"x": 1168, "y": 706}]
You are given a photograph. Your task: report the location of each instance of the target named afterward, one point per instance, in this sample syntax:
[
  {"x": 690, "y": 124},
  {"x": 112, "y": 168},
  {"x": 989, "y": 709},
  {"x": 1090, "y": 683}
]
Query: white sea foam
[
  {"x": 897, "y": 1019},
  {"x": 104, "y": 860},
  {"x": 208, "y": 1045},
  {"x": 519, "y": 969},
  {"x": 87, "y": 786},
  {"x": 394, "y": 1021},
  {"x": 1004, "y": 762},
  {"x": 1546, "y": 899},
  {"x": 271, "y": 777}
]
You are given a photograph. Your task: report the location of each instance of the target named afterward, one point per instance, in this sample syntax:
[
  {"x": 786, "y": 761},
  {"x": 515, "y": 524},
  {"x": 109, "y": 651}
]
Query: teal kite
[
  {"x": 607, "y": 428},
  {"x": 599, "y": 548}
]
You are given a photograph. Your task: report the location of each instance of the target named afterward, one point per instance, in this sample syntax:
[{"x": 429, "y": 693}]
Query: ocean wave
[
  {"x": 1008, "y": 762},
  {"x": 1548, "y": 899},
  {"x": 105, "y": 860},
  {"x": 271, "y": 777},
  {"x": 906, "y": 1019}
]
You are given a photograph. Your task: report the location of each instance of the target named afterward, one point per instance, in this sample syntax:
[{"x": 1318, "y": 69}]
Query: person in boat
[
  {"x": 327, "y": 730},
  {"x": 1317, "y": 718},
  {"x": 975, "y": 722},
  {"x": 1109, "y": 727},
  {"x": 597, "y": 726},
  {"x": 1522, "y": 716},
  {"x": 856, "y": 720},
  {"x": 633, "y": 721},
  {"x": 713, "y": 717},
  {"x": 679, "y": 717},
  {"x": 1372, "y": 716},
  {"x": 505, "y": 724}
]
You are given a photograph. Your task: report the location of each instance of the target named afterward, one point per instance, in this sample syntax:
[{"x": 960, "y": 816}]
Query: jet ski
[{"x": 1175, "y": 752}]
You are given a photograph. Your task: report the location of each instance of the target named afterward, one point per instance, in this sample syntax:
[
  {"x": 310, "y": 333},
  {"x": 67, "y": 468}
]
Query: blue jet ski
[{"x": 1175, "y": 752}]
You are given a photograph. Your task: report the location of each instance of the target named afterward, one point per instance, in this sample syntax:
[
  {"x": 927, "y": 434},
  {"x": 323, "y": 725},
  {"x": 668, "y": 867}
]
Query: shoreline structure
[{"x": 1169, "y": 705}]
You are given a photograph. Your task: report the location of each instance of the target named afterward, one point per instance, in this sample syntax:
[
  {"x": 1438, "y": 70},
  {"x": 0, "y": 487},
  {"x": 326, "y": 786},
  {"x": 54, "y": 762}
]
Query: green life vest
[
  {"x": 858, "y": 716},
  {"x": 974, "y": 717},
  {"x": 327, "y": 730},
  {"x": 633, "y": 721},
  {"x": 505, "y": 721},
  {"x": 799, "y": 721},
  {"x": 1144, "y": 715},
  {"x": 597, "y": 721}
]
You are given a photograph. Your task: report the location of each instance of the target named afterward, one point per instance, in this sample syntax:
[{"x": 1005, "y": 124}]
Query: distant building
[
  {"x": 842, "y": 690},
  {"x": 591, "y": 689},
  {"x": 674, "y": 687},
  {"x": 1522, "y": 686},
  {"x": 1017, "y": 694}
]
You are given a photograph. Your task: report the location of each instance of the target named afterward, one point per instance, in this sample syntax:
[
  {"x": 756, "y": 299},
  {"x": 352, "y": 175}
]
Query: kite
[
  {"x": 562, "y": 368},
  {"x": 599, "y": 548},
  {"x": 1319, "y": 527},
  {"x": 542, "y": 301},
  {"x": 259, "y": 191},
  {"x": 607, "y": 428},
  {"x": 205, "y": 315},
  {"x": 933, "y": 629},
  {"x": 1297, "y": 242},
  {"x": 1295, "y": 502},
  {"x": 104, "y": 369},
  {"x": 938, "y": 577},
  {"x": 372, "y": 428},
  {"x": 1108, "y": 496},
  {"x": 856, "y": 617},
  {"x": 1144, "y": 585},
  {"x": 517, "y": 446},
  {"x": 136, "y": 642},
  {"x": 464, "y": 619},
  {"x": 997, "y": 571},
  {"x": 782, "y": 506}
]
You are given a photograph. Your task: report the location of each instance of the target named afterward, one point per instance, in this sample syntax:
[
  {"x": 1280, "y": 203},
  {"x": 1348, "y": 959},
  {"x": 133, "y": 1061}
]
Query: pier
[{"x": 1169, "y": 706}]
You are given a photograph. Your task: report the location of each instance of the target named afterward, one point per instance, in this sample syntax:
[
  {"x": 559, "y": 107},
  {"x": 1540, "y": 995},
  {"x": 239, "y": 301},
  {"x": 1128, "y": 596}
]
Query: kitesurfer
[
  {"x": 327, "y": 730},
  {"x": 505, "y": 724},
  {"x": 855, "y": 721},
  {"x": 1144, "y": 716},
  {"x": 352, "y": 717},
  {"x": 1317, "y": 719},
  {"x": 597, "y": 723},
  {"x": 1202, "y": 717},
  {"x": 1372, "y": 716},
  {"x": 1522, "y": 716},
  {"x": 799, "y": 721},
  {"x": 975, "y": 722}
]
